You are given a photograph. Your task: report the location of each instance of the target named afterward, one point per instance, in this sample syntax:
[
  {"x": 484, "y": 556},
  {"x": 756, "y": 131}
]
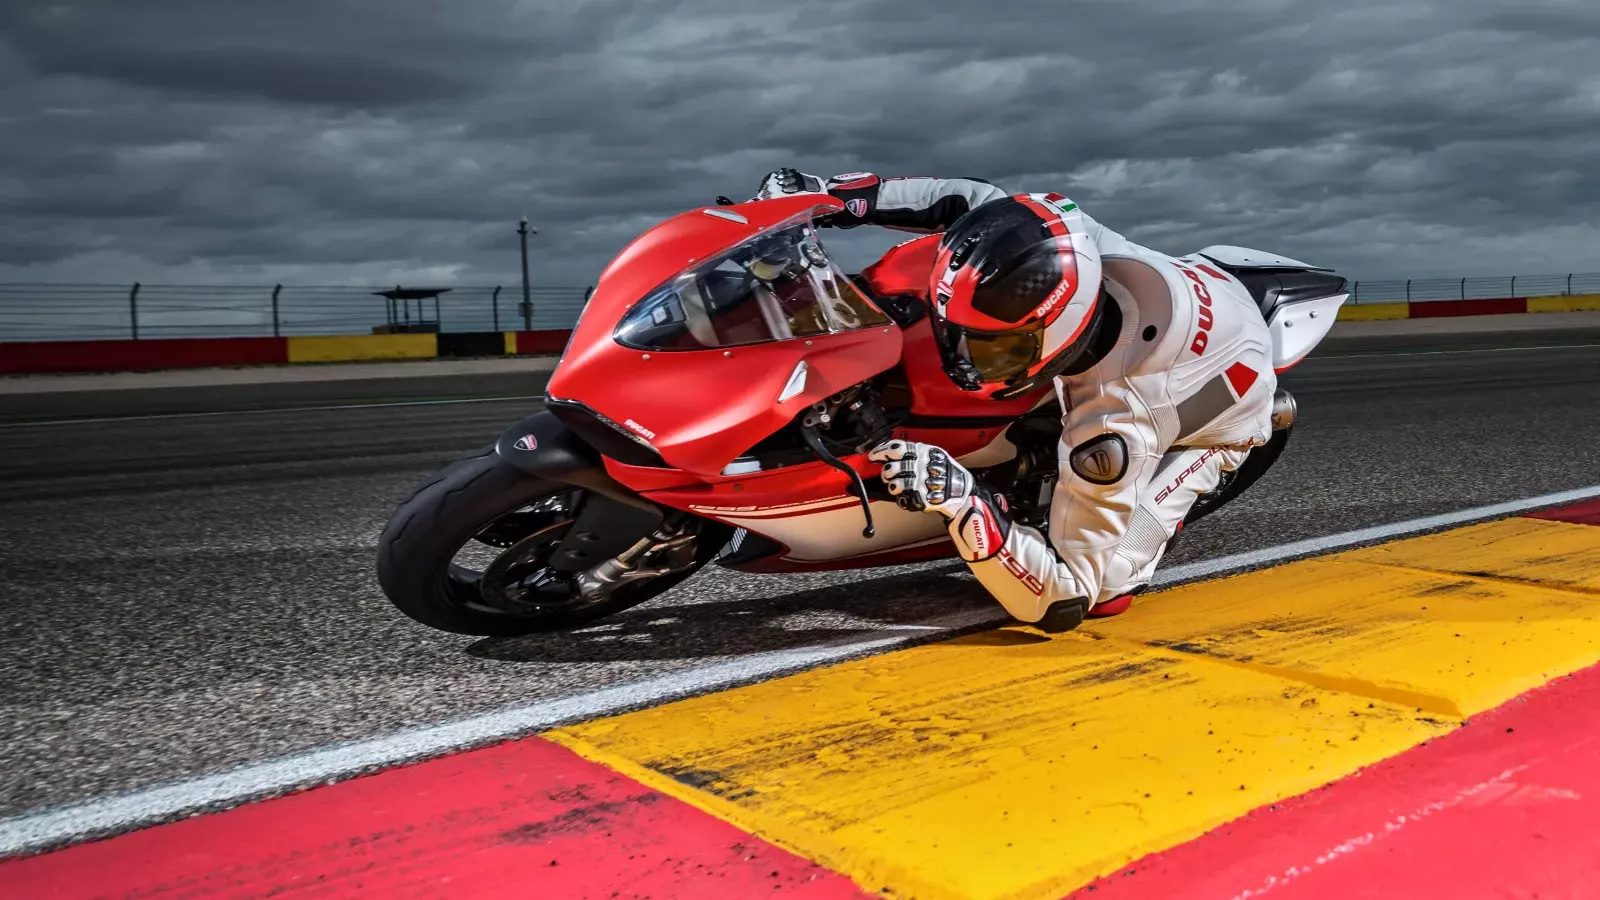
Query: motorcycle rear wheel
[
  {"x": 1234, "y": 483},
  {"x": 480, "y": 500}
]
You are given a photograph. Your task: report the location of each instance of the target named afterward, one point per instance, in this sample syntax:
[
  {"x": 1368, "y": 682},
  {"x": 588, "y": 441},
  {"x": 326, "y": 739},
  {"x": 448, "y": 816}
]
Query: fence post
[
  {"x": 1355, "y": 292},
  {"x": 494, "y": 303},
  {"x": 1513, "y": 285},
  {"x": 276, "y": 290},
  {"x": 1463, "y": 289},
  {"x": 1569, "y": 284},
  {"x": 1408, "y": 290},
  {"x": 133, "y": 310}
]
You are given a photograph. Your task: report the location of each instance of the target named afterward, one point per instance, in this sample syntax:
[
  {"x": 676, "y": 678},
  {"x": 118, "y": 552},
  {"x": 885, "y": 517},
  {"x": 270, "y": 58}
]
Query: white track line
[
  {"x": 257, "y": 412},
  {"x": 1452, "y": 352},
  {"x": 121, "y": 812},
  {"x": 1312, "y": 546}
]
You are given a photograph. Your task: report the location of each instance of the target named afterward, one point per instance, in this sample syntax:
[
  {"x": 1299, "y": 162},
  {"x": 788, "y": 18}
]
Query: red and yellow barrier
[
  {"x": 1564, "y": 303},
  {"x": 138, "y": 356},
  {"x": 1370, "y": 312},
  {"x": 38, "y": 357},
  {"x": 351, "y": 347},
  {"x": 1501, "y": 306}
]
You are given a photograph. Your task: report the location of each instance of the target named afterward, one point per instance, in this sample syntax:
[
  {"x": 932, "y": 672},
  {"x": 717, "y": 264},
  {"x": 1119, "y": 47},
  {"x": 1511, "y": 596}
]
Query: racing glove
[
  {"x": 1016, "y": 565},
  {"x": 922, "y": 477},
  {"x": 786, "y": 182},
  {"x": 857, "y": 190}
]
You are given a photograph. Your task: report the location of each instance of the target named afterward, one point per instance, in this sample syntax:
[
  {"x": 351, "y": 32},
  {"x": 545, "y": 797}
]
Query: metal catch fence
[
  {"x": 140, "y": 311},
  {"x": 1474, "y": 288}
]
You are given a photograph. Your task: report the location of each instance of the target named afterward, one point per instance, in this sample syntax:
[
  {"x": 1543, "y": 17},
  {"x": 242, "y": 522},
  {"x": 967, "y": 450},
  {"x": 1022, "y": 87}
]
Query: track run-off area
[{"x": 1357, "y": 674}]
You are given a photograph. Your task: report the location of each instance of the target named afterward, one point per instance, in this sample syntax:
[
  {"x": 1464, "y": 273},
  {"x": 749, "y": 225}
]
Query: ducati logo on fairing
[
  {"x": 647, "y": 433},
  {"x": 527, "y": 442}
]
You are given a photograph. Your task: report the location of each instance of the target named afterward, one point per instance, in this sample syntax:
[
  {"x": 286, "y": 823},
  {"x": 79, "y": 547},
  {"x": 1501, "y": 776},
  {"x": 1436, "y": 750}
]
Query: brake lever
[{"x": 814, "y": 441}]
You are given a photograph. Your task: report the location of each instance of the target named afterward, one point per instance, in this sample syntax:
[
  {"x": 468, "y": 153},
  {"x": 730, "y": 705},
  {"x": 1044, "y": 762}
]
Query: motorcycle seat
[{"x": 1272, "y": 288}]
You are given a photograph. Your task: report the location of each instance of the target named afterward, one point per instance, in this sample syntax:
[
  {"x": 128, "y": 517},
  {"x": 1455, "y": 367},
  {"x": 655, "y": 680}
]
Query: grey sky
[{"x": 385, "y": 140}]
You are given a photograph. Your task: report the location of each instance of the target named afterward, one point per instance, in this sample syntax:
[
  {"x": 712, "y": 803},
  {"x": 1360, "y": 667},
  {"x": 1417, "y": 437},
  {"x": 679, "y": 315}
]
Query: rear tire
[
  {"x": 1234, "y": 483},
  {"x": 423, "y": 537}
]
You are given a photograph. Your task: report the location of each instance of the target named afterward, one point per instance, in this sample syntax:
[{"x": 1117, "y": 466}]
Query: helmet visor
[{"x": 1001, "y": 356}]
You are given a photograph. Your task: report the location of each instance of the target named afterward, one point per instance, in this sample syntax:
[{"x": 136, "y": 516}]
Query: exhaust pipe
[{"x": 1284, "y": 410}]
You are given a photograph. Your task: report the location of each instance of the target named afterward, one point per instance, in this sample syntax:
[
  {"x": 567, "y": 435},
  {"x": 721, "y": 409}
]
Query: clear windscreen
[{"x": 778, "y": 286}]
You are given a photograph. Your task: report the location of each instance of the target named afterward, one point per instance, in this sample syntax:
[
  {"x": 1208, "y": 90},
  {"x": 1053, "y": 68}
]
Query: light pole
[{"x": 527, "y": 296}]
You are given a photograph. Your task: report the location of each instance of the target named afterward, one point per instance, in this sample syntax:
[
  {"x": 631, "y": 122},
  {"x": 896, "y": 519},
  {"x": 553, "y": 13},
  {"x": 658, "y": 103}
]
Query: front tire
[{"x": 417, "y": 552}]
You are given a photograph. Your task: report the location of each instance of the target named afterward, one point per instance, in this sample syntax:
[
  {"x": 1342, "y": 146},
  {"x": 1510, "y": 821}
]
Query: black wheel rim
[
  {"x": 517, "y": 579},
  {"x": 521, "y": 580}
]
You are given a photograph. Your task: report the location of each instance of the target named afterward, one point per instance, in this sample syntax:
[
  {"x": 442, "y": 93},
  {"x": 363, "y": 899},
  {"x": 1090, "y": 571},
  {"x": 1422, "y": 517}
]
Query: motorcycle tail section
[{"x": 1298, "y": 327}]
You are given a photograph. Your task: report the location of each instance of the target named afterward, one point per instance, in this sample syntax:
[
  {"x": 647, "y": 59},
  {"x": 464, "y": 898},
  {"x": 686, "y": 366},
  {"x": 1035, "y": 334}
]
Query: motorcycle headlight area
[{"x": 777, "y": 286}]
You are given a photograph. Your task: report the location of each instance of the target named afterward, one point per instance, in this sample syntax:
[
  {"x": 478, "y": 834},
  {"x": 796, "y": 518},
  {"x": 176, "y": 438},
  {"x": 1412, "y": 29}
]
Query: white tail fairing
[{"x": 1297, "y": 328}]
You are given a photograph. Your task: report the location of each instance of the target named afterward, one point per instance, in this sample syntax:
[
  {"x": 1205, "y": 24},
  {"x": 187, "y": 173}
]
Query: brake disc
[
  {"x": 507, "y": 530},
  {"x": 521, "y": 577}
]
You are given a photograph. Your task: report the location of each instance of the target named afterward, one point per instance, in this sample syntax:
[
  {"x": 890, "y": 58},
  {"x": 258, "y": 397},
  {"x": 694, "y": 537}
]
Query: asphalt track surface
[{"x": 190, "y": 589}]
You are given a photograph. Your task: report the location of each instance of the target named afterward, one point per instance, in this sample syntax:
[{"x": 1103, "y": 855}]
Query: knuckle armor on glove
[
  {"x": 787, "y": 182},
  {"x": 923, "y": 477},
  {"x": 857, "y": 190}
]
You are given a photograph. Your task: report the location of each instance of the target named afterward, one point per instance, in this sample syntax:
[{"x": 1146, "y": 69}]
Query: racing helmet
[{"x": 1016, "y": 293}]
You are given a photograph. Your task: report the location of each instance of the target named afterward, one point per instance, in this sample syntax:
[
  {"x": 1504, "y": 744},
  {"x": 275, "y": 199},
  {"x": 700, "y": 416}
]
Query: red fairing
[
  {"x": 775, "y": 493},
  {"x": 905, "y": 269},
  {"x": 701, "y": 408}
]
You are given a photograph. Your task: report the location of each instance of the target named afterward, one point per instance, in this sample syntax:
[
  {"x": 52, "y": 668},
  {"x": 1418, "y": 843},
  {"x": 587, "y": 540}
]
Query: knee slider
[{"x": 1063, "y": 615}]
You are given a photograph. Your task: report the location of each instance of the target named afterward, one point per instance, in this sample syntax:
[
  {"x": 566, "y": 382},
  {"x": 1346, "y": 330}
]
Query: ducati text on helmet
[{"x": 1016, "y": 287}]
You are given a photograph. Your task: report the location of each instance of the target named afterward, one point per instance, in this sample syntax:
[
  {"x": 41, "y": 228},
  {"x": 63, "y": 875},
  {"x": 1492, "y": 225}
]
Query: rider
[{"x": 1162, "y": 366}]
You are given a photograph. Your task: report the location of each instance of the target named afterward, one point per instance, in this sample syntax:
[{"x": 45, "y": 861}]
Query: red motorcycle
[{"x": 716, "y": 403}]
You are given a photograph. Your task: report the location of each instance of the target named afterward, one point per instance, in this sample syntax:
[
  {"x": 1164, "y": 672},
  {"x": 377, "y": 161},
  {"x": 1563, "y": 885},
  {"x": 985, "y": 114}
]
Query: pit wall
[{"x": 31, "y": 357}]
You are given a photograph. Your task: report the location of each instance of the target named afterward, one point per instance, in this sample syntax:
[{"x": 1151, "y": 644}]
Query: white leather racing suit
[{"x": 1184, "y": 393}]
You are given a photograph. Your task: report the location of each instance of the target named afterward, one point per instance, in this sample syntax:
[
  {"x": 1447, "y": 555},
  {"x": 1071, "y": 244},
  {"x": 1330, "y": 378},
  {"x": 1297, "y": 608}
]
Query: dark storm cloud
[{"x": 320, "y": 141}]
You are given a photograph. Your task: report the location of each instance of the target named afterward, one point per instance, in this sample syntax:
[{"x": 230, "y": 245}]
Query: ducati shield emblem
[
  {"x": 527, "y": 442},
  {"x": 857, "y": 207},
  {"x": 1103, "y": 460}
]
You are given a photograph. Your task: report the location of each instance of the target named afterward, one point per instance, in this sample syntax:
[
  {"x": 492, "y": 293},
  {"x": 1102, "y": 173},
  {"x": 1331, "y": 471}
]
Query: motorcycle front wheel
[{"x": 467, "y": 554}]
